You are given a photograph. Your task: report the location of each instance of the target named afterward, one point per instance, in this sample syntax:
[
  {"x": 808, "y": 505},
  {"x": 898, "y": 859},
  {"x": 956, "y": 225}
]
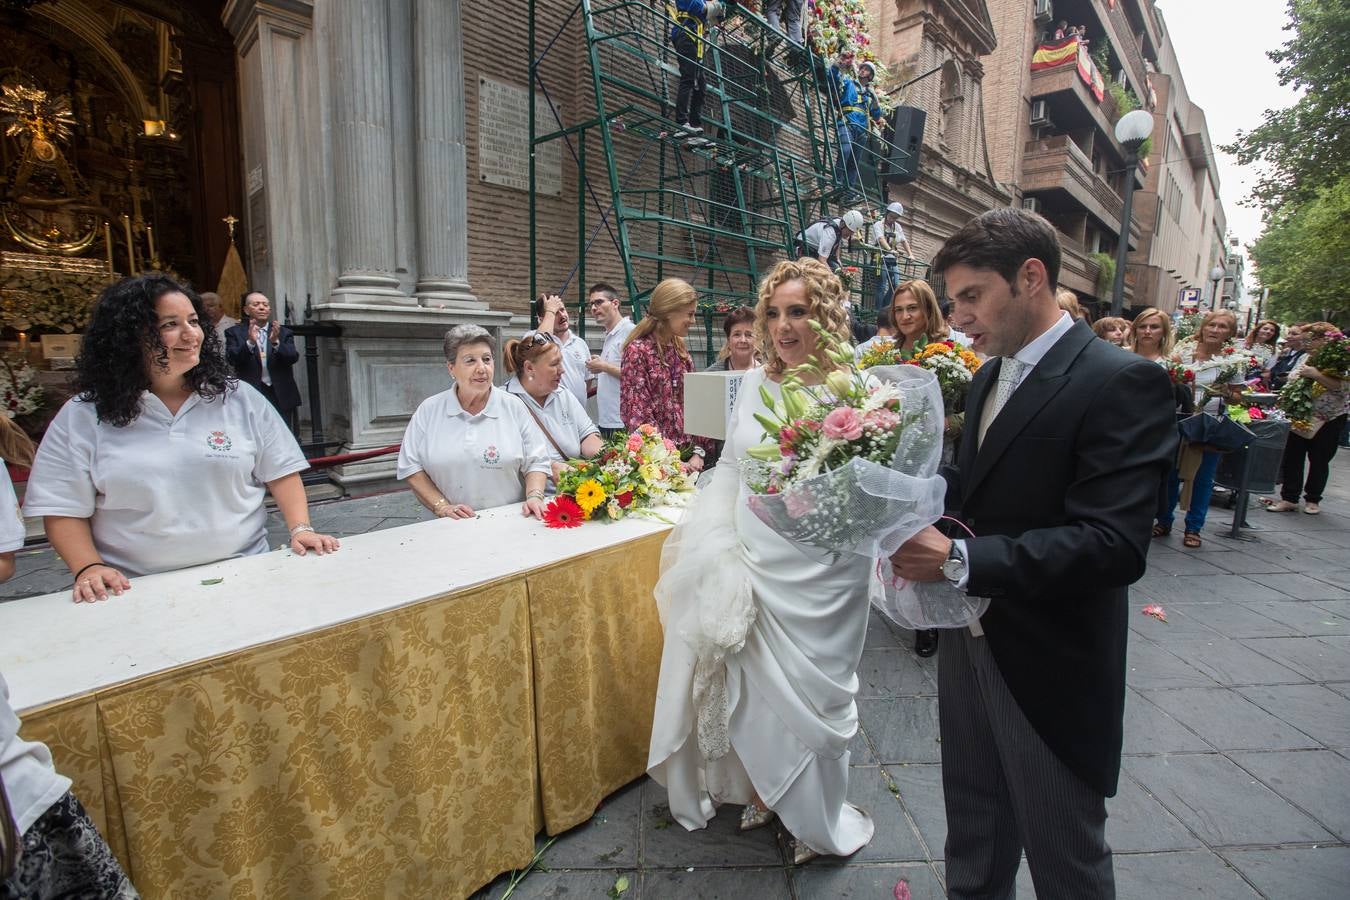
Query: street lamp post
[
  {"x": 1216, "y": 275},
  {"x": 1132, "y": 130}
]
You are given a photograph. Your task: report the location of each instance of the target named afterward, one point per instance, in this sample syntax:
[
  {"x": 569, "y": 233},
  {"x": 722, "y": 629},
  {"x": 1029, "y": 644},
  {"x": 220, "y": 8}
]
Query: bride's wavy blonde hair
[{"x": 824, "y": 299}]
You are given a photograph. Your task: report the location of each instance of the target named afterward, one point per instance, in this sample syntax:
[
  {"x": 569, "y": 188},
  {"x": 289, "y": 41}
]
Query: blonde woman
[
  {"x": 1212, "y": 360},
  {"x": 1068, "y": 301},
  {"x": 1150, "y": 335},
  {"x": 755, "y": 703},
  {"x": 655, "y": 361},
  {"x": 916, "y": 314}
]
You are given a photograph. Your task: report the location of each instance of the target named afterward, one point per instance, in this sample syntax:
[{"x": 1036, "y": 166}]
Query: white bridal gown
[{"x": 789, "y": 689}]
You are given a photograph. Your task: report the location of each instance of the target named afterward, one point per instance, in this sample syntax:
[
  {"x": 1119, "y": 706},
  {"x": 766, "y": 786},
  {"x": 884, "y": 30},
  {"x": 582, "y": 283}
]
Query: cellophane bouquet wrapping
[{"x": 851, "y": 467}]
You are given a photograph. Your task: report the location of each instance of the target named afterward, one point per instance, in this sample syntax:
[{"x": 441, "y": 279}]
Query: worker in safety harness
[
  {"x": 689, "y": 25},
  {"x": 857, "y": 104},
  {"x": 824, "y": 238}
]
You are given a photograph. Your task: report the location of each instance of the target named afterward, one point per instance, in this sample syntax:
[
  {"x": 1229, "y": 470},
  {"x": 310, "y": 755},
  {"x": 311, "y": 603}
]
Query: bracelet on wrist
[
  {"x": 301, "y": 528},
  {"x": 91, "y": 565},
  {"x": 535, "y": 495},
  {"x": 439, "y": 503}
]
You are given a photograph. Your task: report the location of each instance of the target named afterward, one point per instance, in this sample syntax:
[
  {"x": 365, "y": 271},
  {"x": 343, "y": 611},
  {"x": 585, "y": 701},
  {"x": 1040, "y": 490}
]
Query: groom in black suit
[{"x": 1066, "y": 441}]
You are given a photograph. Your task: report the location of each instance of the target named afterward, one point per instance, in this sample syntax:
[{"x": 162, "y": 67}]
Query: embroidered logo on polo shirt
[
  {"x": 219, "y": 441},
  {"x": 491, "y": 456}
]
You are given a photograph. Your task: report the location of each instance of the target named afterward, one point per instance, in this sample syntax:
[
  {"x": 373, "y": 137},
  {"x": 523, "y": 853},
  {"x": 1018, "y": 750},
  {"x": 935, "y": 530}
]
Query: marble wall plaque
[{"x": 504, "y": 139}]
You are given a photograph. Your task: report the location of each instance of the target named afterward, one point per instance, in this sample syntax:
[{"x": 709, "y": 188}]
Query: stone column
[
  {"x": 363, "y": 159},
  {"x": 442, "y": 197}
]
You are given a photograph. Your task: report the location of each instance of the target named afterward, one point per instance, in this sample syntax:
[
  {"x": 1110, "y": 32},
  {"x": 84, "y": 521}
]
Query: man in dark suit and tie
[
  {"x": 262, "y": 353},
  {"x": 1067, "y": 439}
]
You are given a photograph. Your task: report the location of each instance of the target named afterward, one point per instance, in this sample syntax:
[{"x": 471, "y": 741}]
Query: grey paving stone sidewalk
[{"x": 1236, "y": 778}]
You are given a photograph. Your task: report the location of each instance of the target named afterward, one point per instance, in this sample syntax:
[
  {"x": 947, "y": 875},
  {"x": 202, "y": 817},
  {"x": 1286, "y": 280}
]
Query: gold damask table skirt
[{"x": 414, "y": 753}]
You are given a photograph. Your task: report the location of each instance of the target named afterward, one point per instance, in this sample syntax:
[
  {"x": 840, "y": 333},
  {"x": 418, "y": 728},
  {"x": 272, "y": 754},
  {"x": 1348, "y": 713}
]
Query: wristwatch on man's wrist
[{"x": 954, "y": 567}]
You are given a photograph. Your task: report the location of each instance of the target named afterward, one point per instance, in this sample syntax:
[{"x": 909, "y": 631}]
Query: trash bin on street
[{"x": 1261, "y": 459}]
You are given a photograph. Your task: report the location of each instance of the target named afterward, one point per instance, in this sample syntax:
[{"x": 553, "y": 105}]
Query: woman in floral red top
[{"x": 654, "y": 363}]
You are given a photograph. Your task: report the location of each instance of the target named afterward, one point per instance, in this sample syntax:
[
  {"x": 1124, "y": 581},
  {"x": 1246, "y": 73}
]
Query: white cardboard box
[{"x": 708, "y": 401}]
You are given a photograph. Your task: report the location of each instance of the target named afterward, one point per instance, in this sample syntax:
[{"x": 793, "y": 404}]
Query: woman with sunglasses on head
[
  {"x": 474, "y": 446},
  {"x": 536, "y": 367}
]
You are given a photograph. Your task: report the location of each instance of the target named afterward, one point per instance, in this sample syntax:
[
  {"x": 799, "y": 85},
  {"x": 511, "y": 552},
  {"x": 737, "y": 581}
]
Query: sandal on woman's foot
[
  {"x": 1311, "y": 508},
  {"x": 802, "y": 854},
  {"x": 753, "y": 817},
  {"x": 1281, "y": 506},
  {"x": 1191, "y": 539},
  {"x": 1162, "y": 530}
]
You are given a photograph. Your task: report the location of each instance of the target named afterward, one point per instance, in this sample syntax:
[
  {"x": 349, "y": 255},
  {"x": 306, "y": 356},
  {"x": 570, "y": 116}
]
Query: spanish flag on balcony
[{"x": 1056, "y": 53}]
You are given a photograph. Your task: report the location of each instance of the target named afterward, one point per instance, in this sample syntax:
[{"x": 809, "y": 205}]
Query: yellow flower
[
  {"x": 590, "y": 495},
  {"x": 650, "y": 473}
]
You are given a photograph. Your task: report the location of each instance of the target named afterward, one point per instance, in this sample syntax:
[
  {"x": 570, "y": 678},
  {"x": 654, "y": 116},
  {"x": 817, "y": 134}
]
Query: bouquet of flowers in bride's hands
[{"x": 851, "y": 467}]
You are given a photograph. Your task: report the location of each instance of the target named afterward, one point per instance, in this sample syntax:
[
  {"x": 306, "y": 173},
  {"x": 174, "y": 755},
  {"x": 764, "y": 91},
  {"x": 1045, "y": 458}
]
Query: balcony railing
[{"x": 1056, "y": 163}]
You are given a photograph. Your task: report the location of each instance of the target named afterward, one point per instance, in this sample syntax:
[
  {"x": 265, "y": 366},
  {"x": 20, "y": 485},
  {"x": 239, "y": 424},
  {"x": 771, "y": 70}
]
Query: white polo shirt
[
  {"x": 480, "y": 460},
  {"x": 11, "y": 520},
  {"x": 575, "y": 355},
  {"x": 606, "y": 385},
  {"x": 167, "y": 491},
  {"x": 30, "y": 780},
  {"x": 563, "y": 416}
]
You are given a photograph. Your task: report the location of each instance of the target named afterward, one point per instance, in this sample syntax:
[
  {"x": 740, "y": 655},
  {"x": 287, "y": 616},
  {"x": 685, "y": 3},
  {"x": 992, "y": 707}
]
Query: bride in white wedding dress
[{"x": 755, "y": 703}]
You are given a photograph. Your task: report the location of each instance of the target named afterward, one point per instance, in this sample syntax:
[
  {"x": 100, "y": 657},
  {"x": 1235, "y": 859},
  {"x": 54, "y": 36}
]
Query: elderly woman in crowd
[
  {"x": 1218, "y": 376},
  {"x": 779, "y": 743},
  {"x": 1317, "y": 440},
  {"x": 474, "y": 446},
  {"x": 163, "y": 458},
  {"x": 1112, "y": 329},
  {"x": 738, "y": 353},
  {"x": 655, "y": 361},
  {"x": 536, "y": 364}
]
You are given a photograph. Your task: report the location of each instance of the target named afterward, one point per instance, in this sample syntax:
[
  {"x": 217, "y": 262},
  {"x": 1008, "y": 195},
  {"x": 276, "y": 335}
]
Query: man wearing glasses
[
  {"x": 603, "y": 302},
  {"x": 554, "y": 321}
]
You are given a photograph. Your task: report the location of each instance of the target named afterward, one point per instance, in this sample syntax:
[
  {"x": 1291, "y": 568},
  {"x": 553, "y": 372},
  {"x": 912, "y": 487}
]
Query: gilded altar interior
[{"x": 118, "y": 150}]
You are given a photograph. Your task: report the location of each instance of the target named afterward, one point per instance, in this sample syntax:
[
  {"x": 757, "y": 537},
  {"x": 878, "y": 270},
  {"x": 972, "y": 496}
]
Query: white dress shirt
[
  {"x": 606, "y": 385},
  {"x": 1029, "y": 356}
]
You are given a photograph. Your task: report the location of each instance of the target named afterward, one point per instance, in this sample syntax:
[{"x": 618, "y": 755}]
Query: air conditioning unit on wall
[
  {"x": 1031, "y": 204},
  {"x": 1040, "y": 114},
  {"x": 1045, "y": 11}
]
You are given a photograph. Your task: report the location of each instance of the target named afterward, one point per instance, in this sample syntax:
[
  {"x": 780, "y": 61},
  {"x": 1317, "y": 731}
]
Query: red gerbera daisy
[{"x": 563, "y": 512}]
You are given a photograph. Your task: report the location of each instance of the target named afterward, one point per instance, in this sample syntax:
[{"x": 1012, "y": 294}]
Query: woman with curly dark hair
[{"x": 162, "y": 458}]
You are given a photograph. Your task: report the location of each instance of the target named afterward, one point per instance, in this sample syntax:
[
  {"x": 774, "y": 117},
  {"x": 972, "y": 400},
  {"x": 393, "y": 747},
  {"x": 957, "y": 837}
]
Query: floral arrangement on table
[
  {"x": 1231, "y": 361},
  {"x": 717, "y": 306},
  {"x": 48, "y": 302},
  {"x": 1299, "y": 395},
  {"x": 953, "y": 364},
  {"x": 20, "y": 394},
  {"x": 631, "y": 474}
]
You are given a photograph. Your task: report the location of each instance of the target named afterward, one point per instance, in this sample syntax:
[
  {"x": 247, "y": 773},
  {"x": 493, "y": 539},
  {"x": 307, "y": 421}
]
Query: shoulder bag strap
[{"x": 529, "y": 407}]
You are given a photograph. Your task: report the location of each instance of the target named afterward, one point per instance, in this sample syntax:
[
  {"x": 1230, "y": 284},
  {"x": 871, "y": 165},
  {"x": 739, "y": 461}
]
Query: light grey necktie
[{"x": 1009, "y": 376}]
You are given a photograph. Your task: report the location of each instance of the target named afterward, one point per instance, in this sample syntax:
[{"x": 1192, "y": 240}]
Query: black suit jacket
[
  {"x": 1061, "y": 497},
  {"x": 280, "y": 359}
]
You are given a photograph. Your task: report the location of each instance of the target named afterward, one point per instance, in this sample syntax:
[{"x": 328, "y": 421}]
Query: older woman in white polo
[
  {"x": 473, "y": 446},
  {"x": 163, "y": 459}
]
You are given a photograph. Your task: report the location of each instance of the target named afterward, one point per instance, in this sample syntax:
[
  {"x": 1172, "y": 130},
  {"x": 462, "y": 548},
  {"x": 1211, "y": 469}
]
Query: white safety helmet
[
  {"x": 896, "y": 208},
  {"x": 853, "y": 220}
]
